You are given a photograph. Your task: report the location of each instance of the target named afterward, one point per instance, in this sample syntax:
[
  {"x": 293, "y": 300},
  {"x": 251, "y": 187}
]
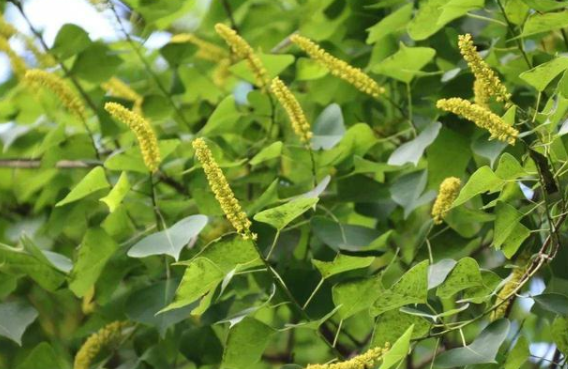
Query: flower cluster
[
  {"x": 487, "y": 83},
  {"x": 206, "y": 50},
  {"x": 503, "y": 297},
  {"x": 364, "y": 361},
  {"x": 244, "y": 51},
  {"x": 116, "y": 87},
  {"x": 338, "y": 67},
  {"x": 18, "y": 64},
  {"x": 6, "y": 29},
  {"x": 293, "y": 109},
  {"x": 107, "y": 336},
  {"x": 223, "y": 192},
  {"x": 482, "y": 117},
  {"x": 449, "y": 190},
  {"x": 143, "y": 132},
  {"x": 56, "y": 84}
]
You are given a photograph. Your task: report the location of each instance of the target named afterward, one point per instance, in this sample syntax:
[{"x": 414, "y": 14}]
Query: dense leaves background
[{"x": 349, "y": 256}]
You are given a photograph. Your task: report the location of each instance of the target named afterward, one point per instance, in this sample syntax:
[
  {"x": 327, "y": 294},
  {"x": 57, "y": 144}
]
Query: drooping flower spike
[
  {"x": 223, "y": 192},
  {"x": 367, "y": 360},
  {"x": 449, "y": 190},
  {"x": 504, "y": 295},
  {"x": 58, "y": 86},
  {"x": 482, "y": 117},
  {"x": 293, "y": 109},
  {"x": 107, "y": 336},
  {"x": 244, "y": 51},
  {"x": 142, "y": 130},
  {"x": 16, "y": 62},
  {"x": 338, "y": 67},
  {"x": 116, "y": 87},
  {"x": 487, "y": 83}
]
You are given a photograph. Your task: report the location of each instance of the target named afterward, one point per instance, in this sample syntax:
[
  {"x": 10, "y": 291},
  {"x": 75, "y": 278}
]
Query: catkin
[
  {"x": 449, "y": 190},
  {"x": 482, "y": 117},
  {"x": 338, "y": 67},
  {"x": 142, "y": 130},
  {"x": 116, "y": 87},
  {"x": 487, "y": 82},
  {"x": 223, "y": 192},
  {"x": 6, "y": 29},
  {"x": 244, "y": 51},
  {"x": 107, "y": 336},
  {"x": 366, "y": 360},
  {"x": 17, "y": 63},
  {"x": 58, "y": 86},
  {"x": 293, "y": 109},
  {"x": 503, "y": 297}
]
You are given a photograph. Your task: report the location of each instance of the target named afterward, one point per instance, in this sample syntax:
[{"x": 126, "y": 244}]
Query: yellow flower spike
[
  {"x": 6, "y": 29},
  {"x": 482, "y": 117},
  {"x": 223, "y": 192},
  {"x": 338, "y": 67},
  {"x": 243, "y": 50},
  {"x": 293, "y": 109},
  {"x": 449, "y": 190},
  {"x": 58, "y": 86},
  {"x": 44, "y": 59},
  {"x": 108, "y": 336},
  {"x": 142, "y": 130},
  {"x": 18, "y": 64},
  {"x": 116, "y": 87},
  {"x": 206, "y": 50},
  {"x": 506, "y": 293},
  {"x": 364, "y": 361},
  {"x": 488, "y": 83}
]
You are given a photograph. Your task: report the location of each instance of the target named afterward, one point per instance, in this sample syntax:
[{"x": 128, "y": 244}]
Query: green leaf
[
  {"x": 356, "y": 295},
  {"x": 131, "y": 158},
  {"x": 541, "y": 76},
  {"x": 509, "y": 233},
  {"x": 118, "y": 192},
  {"x": 245, "y": 344},
  {"x": 328, "y": 129},
  {"x": 539, "y": 23},
  {"x": 482, "y": 181},
  {"x": 408, "y": 191},
  {"x": 309, "y": 69},
  {"x": 95, "y": 251},
  {"x": 411, "y": 288},
  {"x": 406, "y": 63},
  {"x": 94, "y": 181},
  {"x": 413, "y": 150},
  {"x": 457, "y": 8},
  {"x": 465, "y": 274},
  {"x": 559, "y": 334},
  {"x": 554, "y": 302},
  {"x": 341, "y": 236},
  {"x": 545, "y": 5},
  {"x": 393, "y": 324},
  {"x": 15, "y": 317},
  {"x": 480, "y": 294},
  {"x": 518, "y": 355},
  {"x": 509, "y": 168},
  {"x": 169, "y": 241},
  {"x": 223, "y": 119},
  {"x": 280, "y": 216},
  {"x": 482, "y": 350},
  {"x": 96, "y": 64},
  {"x": 274, "y": 64},
  {"x": 439, "y": 271},
  {"x": 33, "y": 264},
  {"x": 70, "y": 40},
  {"x": 393, "y": 22},
  {"x": 272, "y": 151},
  {"x": 398, "y": 351},
  {"x": 42, "y": 356},
  {"x": 341, "y": 263}
]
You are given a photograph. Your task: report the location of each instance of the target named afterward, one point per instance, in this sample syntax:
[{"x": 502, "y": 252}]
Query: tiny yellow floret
[
  {"x": 108, "y": 336},
  {"x": 338, "y": 67},
  {"x": 505, "y": 294},
  {"x": 223, "y": 192},
  {"x": 244, "y": 51},
  {"x": 116, "y": 87},
  {"x": 482, "y": 117},
  {"x": 449, "y": 190},
  {"x": 18, "y": 64},
  {"x": 142, "y": 130},
  {"x": 487, "y": 82},
  {"x": 58, "y": 86},
  {"x": 366, "y": 360},
  {"x": 293, "y": 109}
]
